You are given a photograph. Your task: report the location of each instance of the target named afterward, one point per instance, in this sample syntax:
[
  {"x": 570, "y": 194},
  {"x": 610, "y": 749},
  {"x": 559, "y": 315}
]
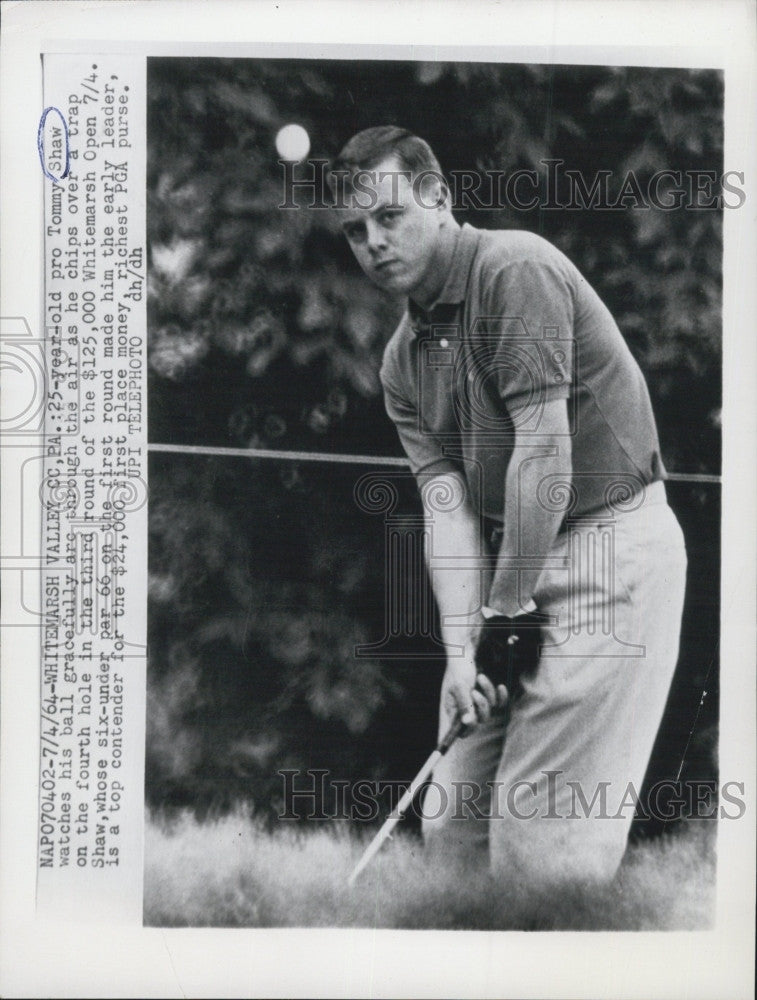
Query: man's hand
[
  {"x": 468, "y": 694},
  {"x": 509, "y": 648}
]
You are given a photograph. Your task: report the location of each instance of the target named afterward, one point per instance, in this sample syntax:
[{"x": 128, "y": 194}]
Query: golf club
[
  {"x": 507, "y": 648},
  {"x": 406, "y": 801}
]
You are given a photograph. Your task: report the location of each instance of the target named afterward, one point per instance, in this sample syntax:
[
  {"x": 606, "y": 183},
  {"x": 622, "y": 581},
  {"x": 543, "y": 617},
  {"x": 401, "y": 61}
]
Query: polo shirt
[{"x": 515, "y": 326}]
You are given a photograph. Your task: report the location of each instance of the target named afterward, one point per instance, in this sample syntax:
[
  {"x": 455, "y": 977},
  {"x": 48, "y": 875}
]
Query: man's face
[{"x": 393, "y": 230}]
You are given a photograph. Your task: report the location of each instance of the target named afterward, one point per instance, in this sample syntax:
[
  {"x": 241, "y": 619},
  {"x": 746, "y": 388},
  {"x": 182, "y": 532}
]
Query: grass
[{"x": 231, "y": 873}]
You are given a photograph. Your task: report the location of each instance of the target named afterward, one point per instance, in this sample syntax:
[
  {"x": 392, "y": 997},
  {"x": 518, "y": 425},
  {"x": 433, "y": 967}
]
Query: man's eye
[
  {"x": 354, "y": 233},
  {"x": 390, "y": 215}
]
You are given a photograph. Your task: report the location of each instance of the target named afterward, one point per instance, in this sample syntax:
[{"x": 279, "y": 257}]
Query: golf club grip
[
  {"x": 451, "y": 735},
  {"x": 458, "y": 726}
]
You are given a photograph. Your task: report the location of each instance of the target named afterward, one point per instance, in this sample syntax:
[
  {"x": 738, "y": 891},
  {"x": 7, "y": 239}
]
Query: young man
[{"x": 529, "y": 428}]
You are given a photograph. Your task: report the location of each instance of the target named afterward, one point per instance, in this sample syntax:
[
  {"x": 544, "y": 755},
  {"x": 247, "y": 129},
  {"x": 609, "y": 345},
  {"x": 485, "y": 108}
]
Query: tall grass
[{"x": 232, "y": 873}]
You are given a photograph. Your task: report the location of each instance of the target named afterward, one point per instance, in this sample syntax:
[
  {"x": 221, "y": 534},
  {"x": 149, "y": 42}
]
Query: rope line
[
  {"x": 346, "y": 459},
  {"x": 293, "y": 456}
]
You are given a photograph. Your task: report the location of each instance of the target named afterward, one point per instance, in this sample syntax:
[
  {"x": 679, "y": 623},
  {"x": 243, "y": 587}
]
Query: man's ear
[
  {"x": 434, "y": 192},
  {"x": 443, "y": 195}
]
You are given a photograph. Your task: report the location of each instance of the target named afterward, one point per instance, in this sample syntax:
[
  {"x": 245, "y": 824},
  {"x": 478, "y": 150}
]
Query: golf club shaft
[{"x": 407, "y": 799}]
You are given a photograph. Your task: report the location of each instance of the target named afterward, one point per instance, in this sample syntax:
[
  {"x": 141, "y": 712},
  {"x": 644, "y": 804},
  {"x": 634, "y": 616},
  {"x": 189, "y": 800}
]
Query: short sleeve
[
  {"x": 424, "y": 453},
  {"x": 530, "y": 326}
]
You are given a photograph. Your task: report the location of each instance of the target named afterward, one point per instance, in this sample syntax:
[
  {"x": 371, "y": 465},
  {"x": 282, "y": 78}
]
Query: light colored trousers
[{"x": 550, "y": 789}]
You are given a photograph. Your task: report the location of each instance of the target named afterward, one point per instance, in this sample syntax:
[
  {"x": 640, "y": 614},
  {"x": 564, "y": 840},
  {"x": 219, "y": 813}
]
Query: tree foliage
[{"x": 264, "y": 334}]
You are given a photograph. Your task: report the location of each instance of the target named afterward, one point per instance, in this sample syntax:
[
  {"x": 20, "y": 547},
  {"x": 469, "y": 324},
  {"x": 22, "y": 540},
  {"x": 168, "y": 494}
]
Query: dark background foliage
[{"x": 265, "y": 574}]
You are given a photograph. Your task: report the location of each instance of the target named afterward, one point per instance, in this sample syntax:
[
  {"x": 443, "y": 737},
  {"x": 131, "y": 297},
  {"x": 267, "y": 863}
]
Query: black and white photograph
[
  {"x": 434, "y": 418},
  {"x": 377, "y": 438}
]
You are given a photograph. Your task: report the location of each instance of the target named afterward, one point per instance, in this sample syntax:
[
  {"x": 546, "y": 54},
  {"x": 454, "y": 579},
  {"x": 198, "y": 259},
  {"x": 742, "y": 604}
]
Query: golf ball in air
[{"x": 292, "y": 142}]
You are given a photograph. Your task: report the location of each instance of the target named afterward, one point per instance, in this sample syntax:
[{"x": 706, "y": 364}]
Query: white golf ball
[{"x": 292, "y": 142}]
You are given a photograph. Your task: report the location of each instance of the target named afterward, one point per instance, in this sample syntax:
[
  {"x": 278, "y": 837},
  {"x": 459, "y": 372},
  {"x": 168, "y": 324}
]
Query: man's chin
[{"x": 394, "y": 284}]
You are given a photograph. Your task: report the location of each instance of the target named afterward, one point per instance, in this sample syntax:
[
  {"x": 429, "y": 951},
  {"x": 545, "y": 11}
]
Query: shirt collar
[{"x": 456, "y": 286}]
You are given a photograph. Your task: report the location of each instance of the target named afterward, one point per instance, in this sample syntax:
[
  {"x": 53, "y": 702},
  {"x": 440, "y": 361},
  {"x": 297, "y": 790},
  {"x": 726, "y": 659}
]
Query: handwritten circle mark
[{"x": 41, "y": 144}]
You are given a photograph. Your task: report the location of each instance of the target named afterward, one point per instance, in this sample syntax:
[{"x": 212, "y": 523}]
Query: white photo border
[{"x": 77, "y": 959}]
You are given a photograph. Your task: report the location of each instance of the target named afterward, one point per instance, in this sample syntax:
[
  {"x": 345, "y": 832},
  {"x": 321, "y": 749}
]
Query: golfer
[{"x": 528, "y": 426}]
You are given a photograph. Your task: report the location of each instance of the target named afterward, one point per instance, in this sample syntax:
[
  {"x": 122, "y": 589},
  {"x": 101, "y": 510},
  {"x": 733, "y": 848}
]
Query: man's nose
[{"x": 376, "y": 237}]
